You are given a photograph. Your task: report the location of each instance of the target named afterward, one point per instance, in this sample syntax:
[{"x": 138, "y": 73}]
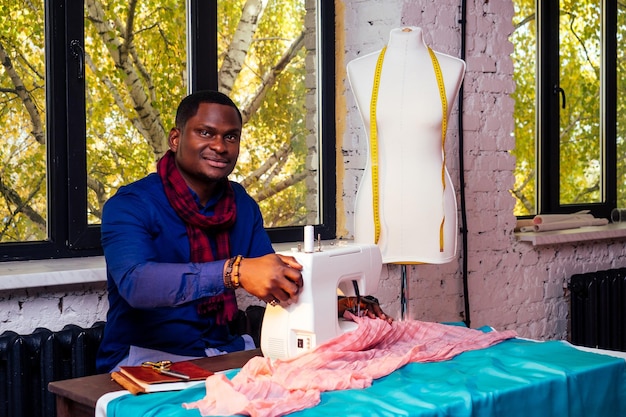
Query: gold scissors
[{"x": 163, "y": 367}]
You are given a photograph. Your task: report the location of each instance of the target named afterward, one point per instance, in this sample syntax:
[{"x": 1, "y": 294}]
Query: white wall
[
  {"x": 52, "y": 293},
  {"x": 512, "y": 285}
]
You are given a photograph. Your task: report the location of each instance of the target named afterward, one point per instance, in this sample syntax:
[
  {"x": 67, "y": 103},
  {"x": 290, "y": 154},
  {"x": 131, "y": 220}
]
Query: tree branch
[
  {"x": 117, "y": 97},
  {"x": 22, "y": 206},
  {"x": 148, "y": 115},
  {"x": 22, "y": 93},
  {"x": 256, "y": 175},
  {"x": 269, "y": 78},
  {"x": 270, "y": 191},
  {"x": 239, "y": 46}
]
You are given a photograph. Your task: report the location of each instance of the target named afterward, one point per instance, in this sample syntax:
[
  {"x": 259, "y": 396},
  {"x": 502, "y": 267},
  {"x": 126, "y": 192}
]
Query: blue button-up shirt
[{"x": 153, "y": 289}]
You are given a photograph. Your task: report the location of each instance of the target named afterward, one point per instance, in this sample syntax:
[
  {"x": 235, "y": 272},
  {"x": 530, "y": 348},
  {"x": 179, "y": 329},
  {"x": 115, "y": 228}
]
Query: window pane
[
  {"x": 135, "y": 74},
  {"x": 23, "y": 199},
  {"x": 580, "y": 78},
  {"x": 264, "y": 73},
  {"x": 268, "y": 69},
  {"x": 135, "y": 71},
  {"x": 524, "y": 39},
  {"x": 621, "y": 107}
]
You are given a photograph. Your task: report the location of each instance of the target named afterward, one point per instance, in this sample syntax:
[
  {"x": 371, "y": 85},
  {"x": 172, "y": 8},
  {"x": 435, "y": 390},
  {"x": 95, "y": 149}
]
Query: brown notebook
[{"x": 139, "y": 379}]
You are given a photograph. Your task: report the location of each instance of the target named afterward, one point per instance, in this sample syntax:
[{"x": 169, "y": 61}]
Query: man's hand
[
  {"x": 273, "y": 278},
  {"x": 369, "y": 306}
]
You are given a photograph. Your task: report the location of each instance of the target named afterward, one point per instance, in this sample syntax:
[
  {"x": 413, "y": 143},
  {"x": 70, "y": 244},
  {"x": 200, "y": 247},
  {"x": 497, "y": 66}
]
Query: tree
[
  {"x": 524, "y": 38},
  {"x": 135, "y": 72}
]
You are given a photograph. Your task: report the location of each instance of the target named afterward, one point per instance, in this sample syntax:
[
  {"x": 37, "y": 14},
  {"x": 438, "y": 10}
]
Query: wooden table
[{"x": 77, "y": 397}]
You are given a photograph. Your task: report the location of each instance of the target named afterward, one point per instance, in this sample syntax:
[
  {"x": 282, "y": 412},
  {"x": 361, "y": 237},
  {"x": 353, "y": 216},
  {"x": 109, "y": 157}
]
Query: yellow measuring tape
[
  {"x": 374, "y": 144},
  {"x": 374, "y": 139}
]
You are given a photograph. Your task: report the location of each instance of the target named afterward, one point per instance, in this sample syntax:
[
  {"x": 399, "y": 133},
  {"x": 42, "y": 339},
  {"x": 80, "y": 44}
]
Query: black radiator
[
  {"x": 29, "y": 362},
  {"x": 598, "y": 309}
]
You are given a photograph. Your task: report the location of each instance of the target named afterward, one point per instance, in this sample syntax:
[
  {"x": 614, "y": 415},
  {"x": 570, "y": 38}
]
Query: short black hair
[{"x": 188, "y": 107}]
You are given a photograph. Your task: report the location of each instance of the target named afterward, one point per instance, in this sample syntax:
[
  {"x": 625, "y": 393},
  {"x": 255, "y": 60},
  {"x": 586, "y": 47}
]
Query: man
[{"x": 179, "y": 242}]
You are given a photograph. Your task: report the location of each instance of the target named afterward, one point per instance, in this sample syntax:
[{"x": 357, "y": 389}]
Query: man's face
[{"x": 207, "y": 147}]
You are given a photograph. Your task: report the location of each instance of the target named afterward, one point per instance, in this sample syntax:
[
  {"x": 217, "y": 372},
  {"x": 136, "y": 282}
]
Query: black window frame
[
  {"x": 70, "y": 234},
  {"x": 549, "y": 105}
]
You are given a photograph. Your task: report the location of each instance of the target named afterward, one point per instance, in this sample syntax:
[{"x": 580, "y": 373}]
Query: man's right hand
[{"x": 272, "y": 277}]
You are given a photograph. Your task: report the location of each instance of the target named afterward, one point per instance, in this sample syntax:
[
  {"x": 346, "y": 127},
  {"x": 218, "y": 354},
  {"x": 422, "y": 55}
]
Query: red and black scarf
[{"x": 199, "y": 227}]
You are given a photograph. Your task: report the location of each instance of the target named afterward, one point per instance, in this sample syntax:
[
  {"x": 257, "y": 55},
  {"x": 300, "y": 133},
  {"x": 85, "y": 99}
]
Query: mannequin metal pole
[{"x": 404, "y": 293}]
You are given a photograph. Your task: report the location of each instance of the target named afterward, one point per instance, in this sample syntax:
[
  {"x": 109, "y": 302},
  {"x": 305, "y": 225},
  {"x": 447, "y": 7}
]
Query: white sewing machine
[{"x": 291, "y": 330}]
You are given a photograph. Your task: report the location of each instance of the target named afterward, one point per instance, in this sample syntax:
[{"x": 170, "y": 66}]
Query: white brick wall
[
  {"x": 512, "y": 285},
  {"x": 24, "y": 310}
]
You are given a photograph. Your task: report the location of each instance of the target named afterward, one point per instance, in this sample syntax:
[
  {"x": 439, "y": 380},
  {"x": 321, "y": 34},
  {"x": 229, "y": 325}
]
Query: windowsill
[
  {"x": 582, "y": 234},
  {"x": 53, "y": 272}
]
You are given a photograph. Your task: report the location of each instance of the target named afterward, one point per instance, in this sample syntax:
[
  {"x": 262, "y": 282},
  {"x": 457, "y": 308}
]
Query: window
[
  {"x": 88, "y": 92},
  {"x": 570, "y": 143}
]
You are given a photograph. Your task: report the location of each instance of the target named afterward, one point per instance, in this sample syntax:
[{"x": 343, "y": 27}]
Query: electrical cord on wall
[{"x": 463, "y": 22}]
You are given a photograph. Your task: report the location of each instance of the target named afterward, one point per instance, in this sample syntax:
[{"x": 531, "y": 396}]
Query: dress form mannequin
[{"x": 416, "y": 196}]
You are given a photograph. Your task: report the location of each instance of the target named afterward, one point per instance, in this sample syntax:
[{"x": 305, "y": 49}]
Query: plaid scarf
[{"x": 199, "y": 227}]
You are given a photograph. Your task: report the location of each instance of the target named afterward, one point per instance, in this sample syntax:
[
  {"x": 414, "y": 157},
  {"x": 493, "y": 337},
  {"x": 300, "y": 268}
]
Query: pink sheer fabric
[{"x": 376, "y": 348}]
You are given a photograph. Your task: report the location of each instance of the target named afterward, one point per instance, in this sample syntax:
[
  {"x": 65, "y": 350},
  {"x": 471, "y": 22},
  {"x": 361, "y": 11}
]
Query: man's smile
[{"x": 217, "y": 162}]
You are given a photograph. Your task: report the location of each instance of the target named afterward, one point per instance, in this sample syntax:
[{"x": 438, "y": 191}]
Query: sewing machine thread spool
[{"x": 309, "y": 239}]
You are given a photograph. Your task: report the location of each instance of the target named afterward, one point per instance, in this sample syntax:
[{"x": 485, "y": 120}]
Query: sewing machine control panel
[{"x": 304, "y": 342}]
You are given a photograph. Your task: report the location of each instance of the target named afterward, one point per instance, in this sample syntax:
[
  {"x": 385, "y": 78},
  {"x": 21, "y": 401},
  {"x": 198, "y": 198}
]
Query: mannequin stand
[{"x": 404, "y": 293}]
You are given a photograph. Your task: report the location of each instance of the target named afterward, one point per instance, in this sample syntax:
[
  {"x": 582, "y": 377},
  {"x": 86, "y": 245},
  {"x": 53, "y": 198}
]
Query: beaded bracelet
[
  {"x": 231, "y": 273},
  {"x": 236, "y": 274}
]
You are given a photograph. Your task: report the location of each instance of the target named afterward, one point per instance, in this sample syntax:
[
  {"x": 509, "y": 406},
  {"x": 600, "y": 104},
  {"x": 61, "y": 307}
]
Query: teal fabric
[{"x": 515, "y": 378}]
